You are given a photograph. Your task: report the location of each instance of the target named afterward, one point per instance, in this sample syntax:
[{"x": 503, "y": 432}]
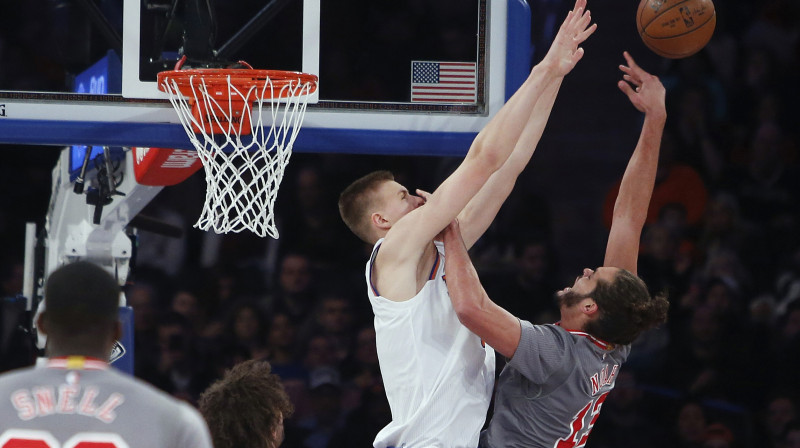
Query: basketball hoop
[{"x": 218, "y": 107}]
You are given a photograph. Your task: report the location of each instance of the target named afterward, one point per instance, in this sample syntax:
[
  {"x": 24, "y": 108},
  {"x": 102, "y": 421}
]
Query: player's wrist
[
  {"x": 655, "y": 119},
  {"x": 546, "y": 69},
  {"x": 658, "y": 114}
]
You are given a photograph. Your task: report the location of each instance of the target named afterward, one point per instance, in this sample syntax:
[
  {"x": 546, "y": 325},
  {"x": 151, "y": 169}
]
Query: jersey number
[
  {"x": 28, "y": 438},
  {"x": 579, "y": 428}
]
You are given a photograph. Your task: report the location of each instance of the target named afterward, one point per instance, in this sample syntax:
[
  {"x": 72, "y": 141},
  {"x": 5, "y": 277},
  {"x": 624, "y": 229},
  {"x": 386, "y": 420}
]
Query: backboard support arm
[
  {"x": 99, "y": 19},
  {"x": 267, "y": 13}
]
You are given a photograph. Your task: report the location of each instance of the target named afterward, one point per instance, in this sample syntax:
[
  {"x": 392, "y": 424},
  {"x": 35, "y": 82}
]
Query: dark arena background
[{"x": 722, "y": 238}]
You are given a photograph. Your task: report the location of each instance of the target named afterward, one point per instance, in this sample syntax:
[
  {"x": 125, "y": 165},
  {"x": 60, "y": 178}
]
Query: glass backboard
[{"x": 384, "y": 69}]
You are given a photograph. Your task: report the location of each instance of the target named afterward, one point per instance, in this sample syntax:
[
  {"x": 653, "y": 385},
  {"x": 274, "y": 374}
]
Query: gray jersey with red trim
[
  {"x": 90, "y": 405},
  {"x": 550, "y": 393}
]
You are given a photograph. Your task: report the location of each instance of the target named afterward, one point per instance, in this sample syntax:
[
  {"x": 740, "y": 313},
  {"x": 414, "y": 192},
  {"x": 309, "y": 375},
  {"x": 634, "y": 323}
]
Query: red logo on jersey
[{"x": 603, "y": 378}]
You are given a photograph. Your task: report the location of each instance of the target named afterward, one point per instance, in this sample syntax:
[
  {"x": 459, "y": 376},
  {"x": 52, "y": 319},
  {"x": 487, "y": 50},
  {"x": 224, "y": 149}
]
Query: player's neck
[
  {"x": 55, "y": 350},
  {"x": 571, "y": 320}
]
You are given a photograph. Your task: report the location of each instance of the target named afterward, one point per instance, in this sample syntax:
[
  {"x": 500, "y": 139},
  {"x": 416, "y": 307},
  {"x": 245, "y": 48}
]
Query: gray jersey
[
  {"x": 550, "y": 393},
  {"x": 76, "y": 403}
]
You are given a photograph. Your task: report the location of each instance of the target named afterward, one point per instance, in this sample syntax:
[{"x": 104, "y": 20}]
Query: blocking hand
[{"x": 565, "y": 50}]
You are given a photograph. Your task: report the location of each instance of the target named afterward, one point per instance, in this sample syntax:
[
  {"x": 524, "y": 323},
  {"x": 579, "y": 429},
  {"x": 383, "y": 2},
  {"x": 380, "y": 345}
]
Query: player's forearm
[
  {"x": 532, "y": 133},
  {"x": 475, "y": 310},
  {"x": 638, "y": 181},
  {"x": 483, "y": 208},
  {"x": 463, "y": 284},
  {"x": 497, "y": 140}
]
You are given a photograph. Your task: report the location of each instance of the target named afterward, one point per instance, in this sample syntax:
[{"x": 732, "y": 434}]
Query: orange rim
[{"x": 243, "y": 79}]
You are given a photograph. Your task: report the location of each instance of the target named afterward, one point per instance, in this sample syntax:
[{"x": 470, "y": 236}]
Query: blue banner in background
[
  {"x": 105, "y": 76},
  {"x": 122, "y": 353}
]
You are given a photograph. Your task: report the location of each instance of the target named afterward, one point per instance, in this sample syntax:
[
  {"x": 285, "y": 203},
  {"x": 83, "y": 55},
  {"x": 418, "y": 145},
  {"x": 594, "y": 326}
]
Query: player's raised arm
[
  {"x": 564, "y": 54},
  {"x": 476, "y": 311},
  {"x": 493, "y": 145},
  {"x": 487, "y": 154},
  {"x": 646, "y": 93}
]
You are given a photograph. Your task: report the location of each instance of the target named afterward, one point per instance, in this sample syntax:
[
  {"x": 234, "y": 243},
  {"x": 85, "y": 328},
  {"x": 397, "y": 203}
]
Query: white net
[{"x": 244, "y": 149}]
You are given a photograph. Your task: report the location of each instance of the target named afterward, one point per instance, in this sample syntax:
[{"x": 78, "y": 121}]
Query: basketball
[{"x": 676, "y": 28}]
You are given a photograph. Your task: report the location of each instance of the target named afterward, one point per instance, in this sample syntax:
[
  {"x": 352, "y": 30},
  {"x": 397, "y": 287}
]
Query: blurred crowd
[{"x": 722, "y": 239}]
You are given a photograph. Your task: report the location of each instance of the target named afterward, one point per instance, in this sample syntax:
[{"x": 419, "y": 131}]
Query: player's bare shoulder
[{"x": 398, "y": 270}]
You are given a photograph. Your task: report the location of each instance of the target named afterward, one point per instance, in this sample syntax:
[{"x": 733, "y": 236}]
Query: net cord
[{"x": 242, "y": 177}]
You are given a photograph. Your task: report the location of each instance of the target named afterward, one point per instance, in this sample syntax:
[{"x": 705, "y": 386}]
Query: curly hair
[
  {"x": 246, "y": 407},
  {"x": 356, "y": 201},
  {"x": 626, "y": 309}
]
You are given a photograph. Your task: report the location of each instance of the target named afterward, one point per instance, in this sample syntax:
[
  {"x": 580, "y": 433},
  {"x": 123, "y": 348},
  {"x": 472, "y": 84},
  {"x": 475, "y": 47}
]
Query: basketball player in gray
[
  {"x": 551, "y": 391},
  {"x": 75, "y": 400}
]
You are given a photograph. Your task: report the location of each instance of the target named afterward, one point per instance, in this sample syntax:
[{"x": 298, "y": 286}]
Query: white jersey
[
  {"x": 438, "y": 375},
  {"x": 77, "y": 402}
]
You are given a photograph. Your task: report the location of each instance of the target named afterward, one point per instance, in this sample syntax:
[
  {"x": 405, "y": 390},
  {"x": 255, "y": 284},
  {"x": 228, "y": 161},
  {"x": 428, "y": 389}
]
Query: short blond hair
[{"x": 357, "y": 200}]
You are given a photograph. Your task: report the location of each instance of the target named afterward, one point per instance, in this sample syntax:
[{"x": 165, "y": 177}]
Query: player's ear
[
  {"x": 588, "y": 306},
  {"x": 41, "y": 327},
  {"x": 379, "y": 221}
]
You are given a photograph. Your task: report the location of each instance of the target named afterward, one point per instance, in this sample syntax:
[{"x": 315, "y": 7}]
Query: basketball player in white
[{"x": 439, "y": 376}]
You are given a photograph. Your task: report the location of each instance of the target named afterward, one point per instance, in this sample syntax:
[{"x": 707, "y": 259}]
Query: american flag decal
[{"x": 443, "y": 82}]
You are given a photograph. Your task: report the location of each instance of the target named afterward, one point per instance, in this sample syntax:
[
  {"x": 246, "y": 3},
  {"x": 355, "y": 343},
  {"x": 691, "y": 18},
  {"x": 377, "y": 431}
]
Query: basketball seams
[
  {"x": 657, "y": 15},
  {"x": 669, "y": 54},
  {"x": 643, "y": 32}
]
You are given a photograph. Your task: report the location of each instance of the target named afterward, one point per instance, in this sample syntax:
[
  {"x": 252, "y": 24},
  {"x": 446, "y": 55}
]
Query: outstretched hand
[
  {"x": 644, "y": 90},
  {"x": 565, "y": 50}
]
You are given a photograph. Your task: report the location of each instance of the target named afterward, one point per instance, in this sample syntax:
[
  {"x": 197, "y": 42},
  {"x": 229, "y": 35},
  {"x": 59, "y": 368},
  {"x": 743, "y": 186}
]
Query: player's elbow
[
  {"x": 484, "y": 155},
  {"x": 475, "y": 318},
  {"x": 469, "y": 309}
]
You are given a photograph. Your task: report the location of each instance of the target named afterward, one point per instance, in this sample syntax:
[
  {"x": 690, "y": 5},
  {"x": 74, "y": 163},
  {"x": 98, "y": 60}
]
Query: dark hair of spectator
[{"x": 246, "y": 407}]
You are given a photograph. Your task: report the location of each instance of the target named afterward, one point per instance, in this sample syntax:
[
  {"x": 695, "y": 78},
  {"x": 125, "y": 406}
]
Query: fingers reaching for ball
[{"x": 644, "y": 90}]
